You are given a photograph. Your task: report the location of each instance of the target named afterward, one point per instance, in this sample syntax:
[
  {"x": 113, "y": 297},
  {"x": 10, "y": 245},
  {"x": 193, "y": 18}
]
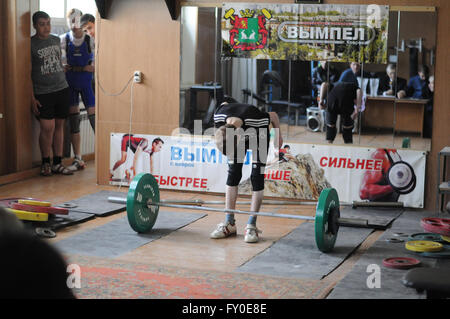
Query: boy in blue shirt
[{"x": 78, "y": 59}]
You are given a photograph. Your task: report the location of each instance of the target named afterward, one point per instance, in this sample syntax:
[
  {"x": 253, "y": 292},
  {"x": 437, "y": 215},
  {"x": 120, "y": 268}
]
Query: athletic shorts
[
  {"x": 54, "y": 105},
  {"x": 87, "y": 96}
]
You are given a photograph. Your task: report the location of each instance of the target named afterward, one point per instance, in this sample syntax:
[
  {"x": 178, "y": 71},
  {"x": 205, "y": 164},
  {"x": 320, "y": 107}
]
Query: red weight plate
[
  {"x": 7, "y": 202},
  {"x": 400, "y": 262},
  {"x": 40, "y": 209},
  {"x": 439, "y": 226}
]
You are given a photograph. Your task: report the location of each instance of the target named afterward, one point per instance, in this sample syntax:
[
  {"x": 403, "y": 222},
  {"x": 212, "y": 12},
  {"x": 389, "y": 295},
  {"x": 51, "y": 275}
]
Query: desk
[{"x": 379, "y": 113}]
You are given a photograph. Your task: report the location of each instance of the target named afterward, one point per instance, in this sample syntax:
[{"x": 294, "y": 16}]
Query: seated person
[
  {"x": 390, "y": 83},
  {"x": 324, "y": 72},
  {"x": 428, "y": 93},
  {"x": 417, "y": 83}
]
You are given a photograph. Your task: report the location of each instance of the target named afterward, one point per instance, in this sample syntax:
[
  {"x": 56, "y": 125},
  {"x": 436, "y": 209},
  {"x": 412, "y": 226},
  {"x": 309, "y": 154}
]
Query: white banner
[{"x": 301, "y": 172}]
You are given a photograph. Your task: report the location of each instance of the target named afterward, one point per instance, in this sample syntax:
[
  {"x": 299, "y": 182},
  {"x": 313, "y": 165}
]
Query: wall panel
[
  {"x": 138, "y": 35},
  {"x": 17, "y": 84}
]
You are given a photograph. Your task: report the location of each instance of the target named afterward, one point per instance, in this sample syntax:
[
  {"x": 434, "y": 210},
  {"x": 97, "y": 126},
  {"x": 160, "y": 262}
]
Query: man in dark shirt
[
  {"x": 343, "y": 99},
  {"x": 391, "y": 84},
  {"x": 242, "y": 127}
]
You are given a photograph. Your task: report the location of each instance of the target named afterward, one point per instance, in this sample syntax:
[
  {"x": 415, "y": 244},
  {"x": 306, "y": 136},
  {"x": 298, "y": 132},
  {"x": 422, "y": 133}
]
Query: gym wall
[
  {"x": 15, "y": 127},
  {"x": 157, "y": 56},
  {"x": 138, "y": 35}
]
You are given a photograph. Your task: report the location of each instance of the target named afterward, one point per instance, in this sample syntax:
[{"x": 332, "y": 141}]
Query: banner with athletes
[
  {"x": 308, "y": 32},
  {"x": 298, "y": 171}
]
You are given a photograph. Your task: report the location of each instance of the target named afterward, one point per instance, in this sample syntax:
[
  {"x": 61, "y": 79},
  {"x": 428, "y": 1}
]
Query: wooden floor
[
  {"x": 300, "y": 134},
  {"x": 189, "y": 246}
]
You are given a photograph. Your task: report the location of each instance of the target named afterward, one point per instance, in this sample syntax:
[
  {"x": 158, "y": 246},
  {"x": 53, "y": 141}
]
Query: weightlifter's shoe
[
  {"x": 223, "y": 230},
  {"x": 77, "y": 164},
  {"x": 251, "y": 234}
]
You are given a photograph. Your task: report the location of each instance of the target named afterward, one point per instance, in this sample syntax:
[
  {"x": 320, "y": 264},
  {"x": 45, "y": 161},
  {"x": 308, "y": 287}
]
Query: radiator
[{"x": 87, "y": 135}]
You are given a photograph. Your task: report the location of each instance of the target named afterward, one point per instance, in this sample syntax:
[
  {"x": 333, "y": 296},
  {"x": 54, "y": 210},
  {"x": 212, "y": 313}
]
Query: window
[
  {"x": 58, "y": 9},
  {"x": 55, "y": 9}
]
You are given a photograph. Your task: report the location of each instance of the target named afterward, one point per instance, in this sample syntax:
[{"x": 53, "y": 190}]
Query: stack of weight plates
[
  {"x": 33, "y": 210},
  {"x": 435, "y": 243}
]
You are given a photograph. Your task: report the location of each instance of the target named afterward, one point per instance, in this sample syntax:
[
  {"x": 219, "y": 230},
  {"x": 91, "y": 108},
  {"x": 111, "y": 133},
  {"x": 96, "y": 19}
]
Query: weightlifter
[
  {"x": 241, "y": 128},
  {"x": 340, "y": 100}
]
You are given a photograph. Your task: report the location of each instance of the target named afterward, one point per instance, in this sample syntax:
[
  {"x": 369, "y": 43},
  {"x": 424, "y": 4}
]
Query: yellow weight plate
[
  {"x": 423, "y": 246},
  {"x": 24, "y": 215},
  {"x": 34, "y": 202},
  {"x": 446, "y": 238}
]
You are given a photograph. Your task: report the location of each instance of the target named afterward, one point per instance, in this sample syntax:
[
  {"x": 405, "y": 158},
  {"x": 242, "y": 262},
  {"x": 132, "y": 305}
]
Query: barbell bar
[
  {"x": 143, "y": 204},
  {"x": 351, "y": 222},
  {"x": 200, "y": 202},
  {"x": 120, "y": 200}
]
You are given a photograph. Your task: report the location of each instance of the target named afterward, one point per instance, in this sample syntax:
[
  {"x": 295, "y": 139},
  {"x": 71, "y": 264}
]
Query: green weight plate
[
  {"x": 326, "y": 221},
  {"x": 426, "y": 236},
  {"x": 143, "y": 189}
]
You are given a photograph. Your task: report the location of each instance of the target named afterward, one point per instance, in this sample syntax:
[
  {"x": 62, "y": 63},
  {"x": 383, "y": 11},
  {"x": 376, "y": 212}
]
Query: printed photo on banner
[
  {"x": 134, "y": 155},
  {"x": 294, "y": 171},
  {"x": 337, "y": 33}
]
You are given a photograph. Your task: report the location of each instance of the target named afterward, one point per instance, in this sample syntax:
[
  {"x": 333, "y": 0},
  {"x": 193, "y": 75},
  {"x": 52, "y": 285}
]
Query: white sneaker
[
  {"x": 77, "y": 165},
  {"x": 251, "y": 234},
  {"x": 223, "y": 230}
]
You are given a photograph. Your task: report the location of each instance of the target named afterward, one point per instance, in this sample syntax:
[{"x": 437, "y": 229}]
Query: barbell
[{"x": 143, "y": 202}]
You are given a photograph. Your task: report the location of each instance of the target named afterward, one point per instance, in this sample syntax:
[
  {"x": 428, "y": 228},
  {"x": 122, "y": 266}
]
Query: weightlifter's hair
[
  {"x": 228, "y": 100},
  {"x": 40, "y": 15}
]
